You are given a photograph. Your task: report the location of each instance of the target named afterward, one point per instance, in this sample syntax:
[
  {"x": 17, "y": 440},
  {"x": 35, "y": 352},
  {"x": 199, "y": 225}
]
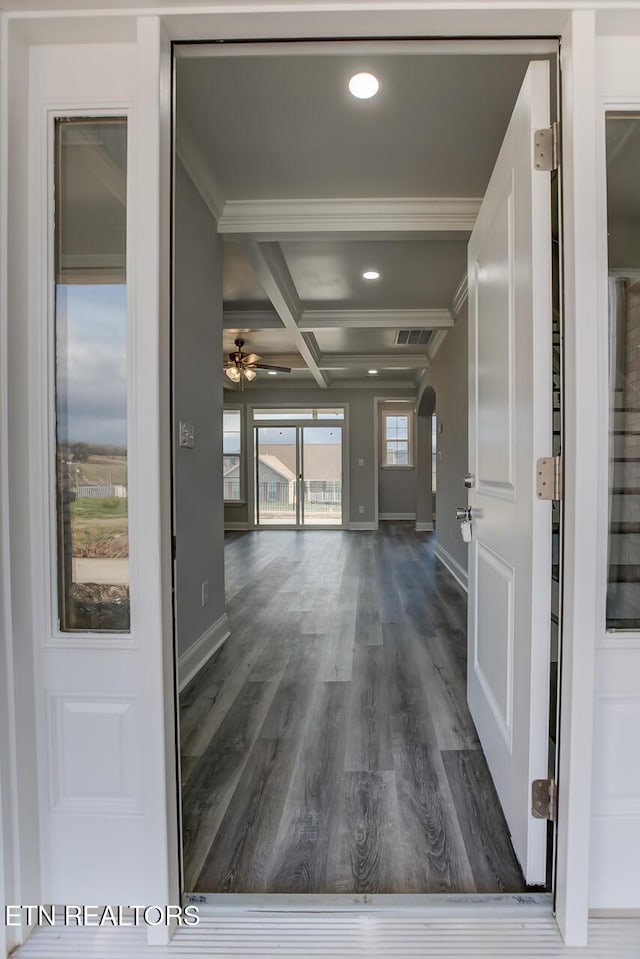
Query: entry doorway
[{"x": 327, "y": 370}]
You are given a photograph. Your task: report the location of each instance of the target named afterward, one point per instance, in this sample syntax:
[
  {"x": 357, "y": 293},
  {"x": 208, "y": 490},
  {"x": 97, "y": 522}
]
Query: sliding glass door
[{"x": 298, "y": 475}]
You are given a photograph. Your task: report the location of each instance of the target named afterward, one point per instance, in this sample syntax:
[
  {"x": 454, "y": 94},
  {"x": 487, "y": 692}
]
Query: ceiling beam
[
  {"x": 378, "y": 361},
  {"x": 379, "y": 215},
  {"x": 339, "y": 318},
  {"x": 278, "y": 285},
  {"x": 375, "y": 319},
  {"x": 248, "y": 320}
]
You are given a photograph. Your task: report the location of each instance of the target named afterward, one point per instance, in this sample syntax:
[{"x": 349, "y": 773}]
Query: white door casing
[
  {"x": 510, "y": 393},
  {"x": 577, "y": 28},
  {"x": 106, "y": 782}
]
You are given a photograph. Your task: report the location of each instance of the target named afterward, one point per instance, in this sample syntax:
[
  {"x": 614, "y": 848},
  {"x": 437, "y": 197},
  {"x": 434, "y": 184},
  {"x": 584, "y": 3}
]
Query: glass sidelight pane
[
  {"x": 322, "y": 475},
  {"x": 90, "y": 374},
  {"x": 231, "y": 456},
  {"x": 623, "y": 227},
  {"x": 276, "y": 462}
]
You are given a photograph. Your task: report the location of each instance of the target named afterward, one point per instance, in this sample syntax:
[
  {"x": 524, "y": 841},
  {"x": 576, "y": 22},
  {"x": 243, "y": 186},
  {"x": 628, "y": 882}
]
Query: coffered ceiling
[{"x": 311, "y": 188}]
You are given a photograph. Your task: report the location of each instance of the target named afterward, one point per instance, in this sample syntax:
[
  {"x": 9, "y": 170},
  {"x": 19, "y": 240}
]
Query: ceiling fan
[{"x": 242, "y": 366}]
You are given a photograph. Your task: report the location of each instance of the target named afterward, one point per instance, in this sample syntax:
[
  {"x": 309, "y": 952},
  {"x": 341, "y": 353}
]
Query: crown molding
[
  {"x": 376, "y": 215},
  {"x": 375, "y": 319},
  {"x": 435, "y": 343},
  {"x": 200, "y": 172},
  {"x": 460, "y": 296}
]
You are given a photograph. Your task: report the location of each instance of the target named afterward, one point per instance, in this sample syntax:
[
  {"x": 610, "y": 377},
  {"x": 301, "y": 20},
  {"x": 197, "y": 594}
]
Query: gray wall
[
  {"x": 396, "y": 487},
  {"x": 198, "y": 400},
  {"x": 449, "y": 378},
  {"x": 361, "y": 439},
  {"x": 397, "y": 490},
  {"x": 424, "y": 493}
]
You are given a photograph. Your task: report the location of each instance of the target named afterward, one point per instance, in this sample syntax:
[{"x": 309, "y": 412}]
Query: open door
[{"x": 510, "y": 426}]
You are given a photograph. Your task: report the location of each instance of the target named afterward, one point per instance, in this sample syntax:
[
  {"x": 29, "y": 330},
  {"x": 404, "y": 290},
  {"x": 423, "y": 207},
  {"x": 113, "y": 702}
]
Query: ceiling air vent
[{"x": 413, "y": 337}]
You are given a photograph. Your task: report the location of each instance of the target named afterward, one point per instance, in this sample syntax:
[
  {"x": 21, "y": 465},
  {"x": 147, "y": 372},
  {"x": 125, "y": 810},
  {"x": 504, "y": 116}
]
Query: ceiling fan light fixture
[
  {"x": 233, "y": 373},
  {"x": 249, "y": 375},
  {"x": 363, "y": 86}
]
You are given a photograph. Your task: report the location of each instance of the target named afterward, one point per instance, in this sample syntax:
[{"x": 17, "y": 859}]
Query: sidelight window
[
  {"x": 623, "y": 230},
  {"x": 90, "y": 374},
  {"x": 232, "y": 455}
]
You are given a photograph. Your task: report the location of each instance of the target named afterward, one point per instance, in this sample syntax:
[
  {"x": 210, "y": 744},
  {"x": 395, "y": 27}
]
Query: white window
[
  {"x": 397, "y": 437},
  {"x": 232, "y": 456}
]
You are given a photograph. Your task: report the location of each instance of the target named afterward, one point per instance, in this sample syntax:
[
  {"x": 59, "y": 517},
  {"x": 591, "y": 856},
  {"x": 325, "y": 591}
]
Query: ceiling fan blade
[
  {"x": 278, "y": 369},
  {"x": 251, "y": 359}
]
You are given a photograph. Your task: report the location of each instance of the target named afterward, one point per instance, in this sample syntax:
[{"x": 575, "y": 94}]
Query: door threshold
[{"x": 473, "y": 905}]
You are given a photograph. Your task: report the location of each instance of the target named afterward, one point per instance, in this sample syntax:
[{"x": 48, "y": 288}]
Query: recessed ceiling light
[
  {"x": 272, "y": 372},
  {"x": 371, "y": 275},
  {"x": 372, "y": 372},
  {"x": 363, "y": 86}
]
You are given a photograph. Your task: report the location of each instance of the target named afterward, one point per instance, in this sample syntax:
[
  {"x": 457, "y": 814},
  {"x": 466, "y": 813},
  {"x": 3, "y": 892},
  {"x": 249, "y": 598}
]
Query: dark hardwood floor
[{"x": 327, "y": 747}]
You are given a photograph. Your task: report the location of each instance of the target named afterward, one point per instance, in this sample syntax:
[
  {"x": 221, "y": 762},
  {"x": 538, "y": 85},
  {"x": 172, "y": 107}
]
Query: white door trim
[
  {"x": 584, "y": 368},
  {"x": 343, "y": 19},
  {"x": 251, "y": 423}
]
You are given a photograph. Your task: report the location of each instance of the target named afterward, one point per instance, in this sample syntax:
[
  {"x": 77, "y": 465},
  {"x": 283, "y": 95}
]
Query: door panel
[
  {"x": 495, "y": 347},
  {"x": 321, "y": 463},
  {"x": 510, "y": 426},
  {"x": 277, "y": 469}
]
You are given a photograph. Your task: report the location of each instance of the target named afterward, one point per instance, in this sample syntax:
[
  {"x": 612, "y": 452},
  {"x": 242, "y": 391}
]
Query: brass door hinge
[
  {"x": 549, "y": 478},
  {"x": 544, "y": 799},
  {"x": 546, "y": 148}
]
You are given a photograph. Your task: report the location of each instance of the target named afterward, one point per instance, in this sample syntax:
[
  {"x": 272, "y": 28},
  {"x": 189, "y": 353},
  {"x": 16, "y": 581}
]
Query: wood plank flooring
[{"x": 328, "y": 747}]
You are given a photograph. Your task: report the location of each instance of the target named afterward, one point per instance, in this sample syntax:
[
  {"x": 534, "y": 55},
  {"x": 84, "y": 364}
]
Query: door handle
[{"x": 463, "y": 514}]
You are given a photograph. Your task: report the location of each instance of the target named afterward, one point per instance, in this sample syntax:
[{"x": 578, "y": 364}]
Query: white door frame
[
  {"x": 252, "y": 423},
  {"x": 494, "y": 18}
]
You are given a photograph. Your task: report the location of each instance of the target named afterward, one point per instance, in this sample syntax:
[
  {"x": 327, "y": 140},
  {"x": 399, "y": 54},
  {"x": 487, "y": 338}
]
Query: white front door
[{"x": 510, "y": 424}]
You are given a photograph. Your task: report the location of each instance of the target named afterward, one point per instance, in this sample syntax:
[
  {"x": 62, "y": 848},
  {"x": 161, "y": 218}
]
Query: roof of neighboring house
[
  {"x": 232, "y": 471},
  {"x": 277, "y": 466},
  {"x": 322, "y": 461}
]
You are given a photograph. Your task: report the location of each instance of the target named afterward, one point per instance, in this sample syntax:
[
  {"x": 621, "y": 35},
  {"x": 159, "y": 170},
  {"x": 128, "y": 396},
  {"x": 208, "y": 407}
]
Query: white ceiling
[
  {"x": 288, "y": 127},
  {"x": 413, "y": 274},
  {"x": 333, "y": 184}
]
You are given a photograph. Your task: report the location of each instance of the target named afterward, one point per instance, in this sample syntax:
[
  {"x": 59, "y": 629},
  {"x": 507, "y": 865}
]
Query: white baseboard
[
  {"x": 194, "y": 658},
  {"x": 424, "y": 527},
  {"x": 454, "y": 567},
  {"x": 396, "y": 515},
  {"x": 232, "y": 527},
  {"x": 361, "y": 526}
]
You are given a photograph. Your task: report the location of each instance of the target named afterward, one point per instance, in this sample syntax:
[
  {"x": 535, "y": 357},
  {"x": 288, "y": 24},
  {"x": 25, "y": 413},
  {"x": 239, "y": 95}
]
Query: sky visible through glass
[{"x": 91, "y": 384}]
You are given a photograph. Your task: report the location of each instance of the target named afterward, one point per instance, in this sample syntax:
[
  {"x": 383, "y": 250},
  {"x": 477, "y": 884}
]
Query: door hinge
[
  {"x": 549, "y": 478},
  {"x": 544, "y": 799},
  {"x": 546, "y": 148}
]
